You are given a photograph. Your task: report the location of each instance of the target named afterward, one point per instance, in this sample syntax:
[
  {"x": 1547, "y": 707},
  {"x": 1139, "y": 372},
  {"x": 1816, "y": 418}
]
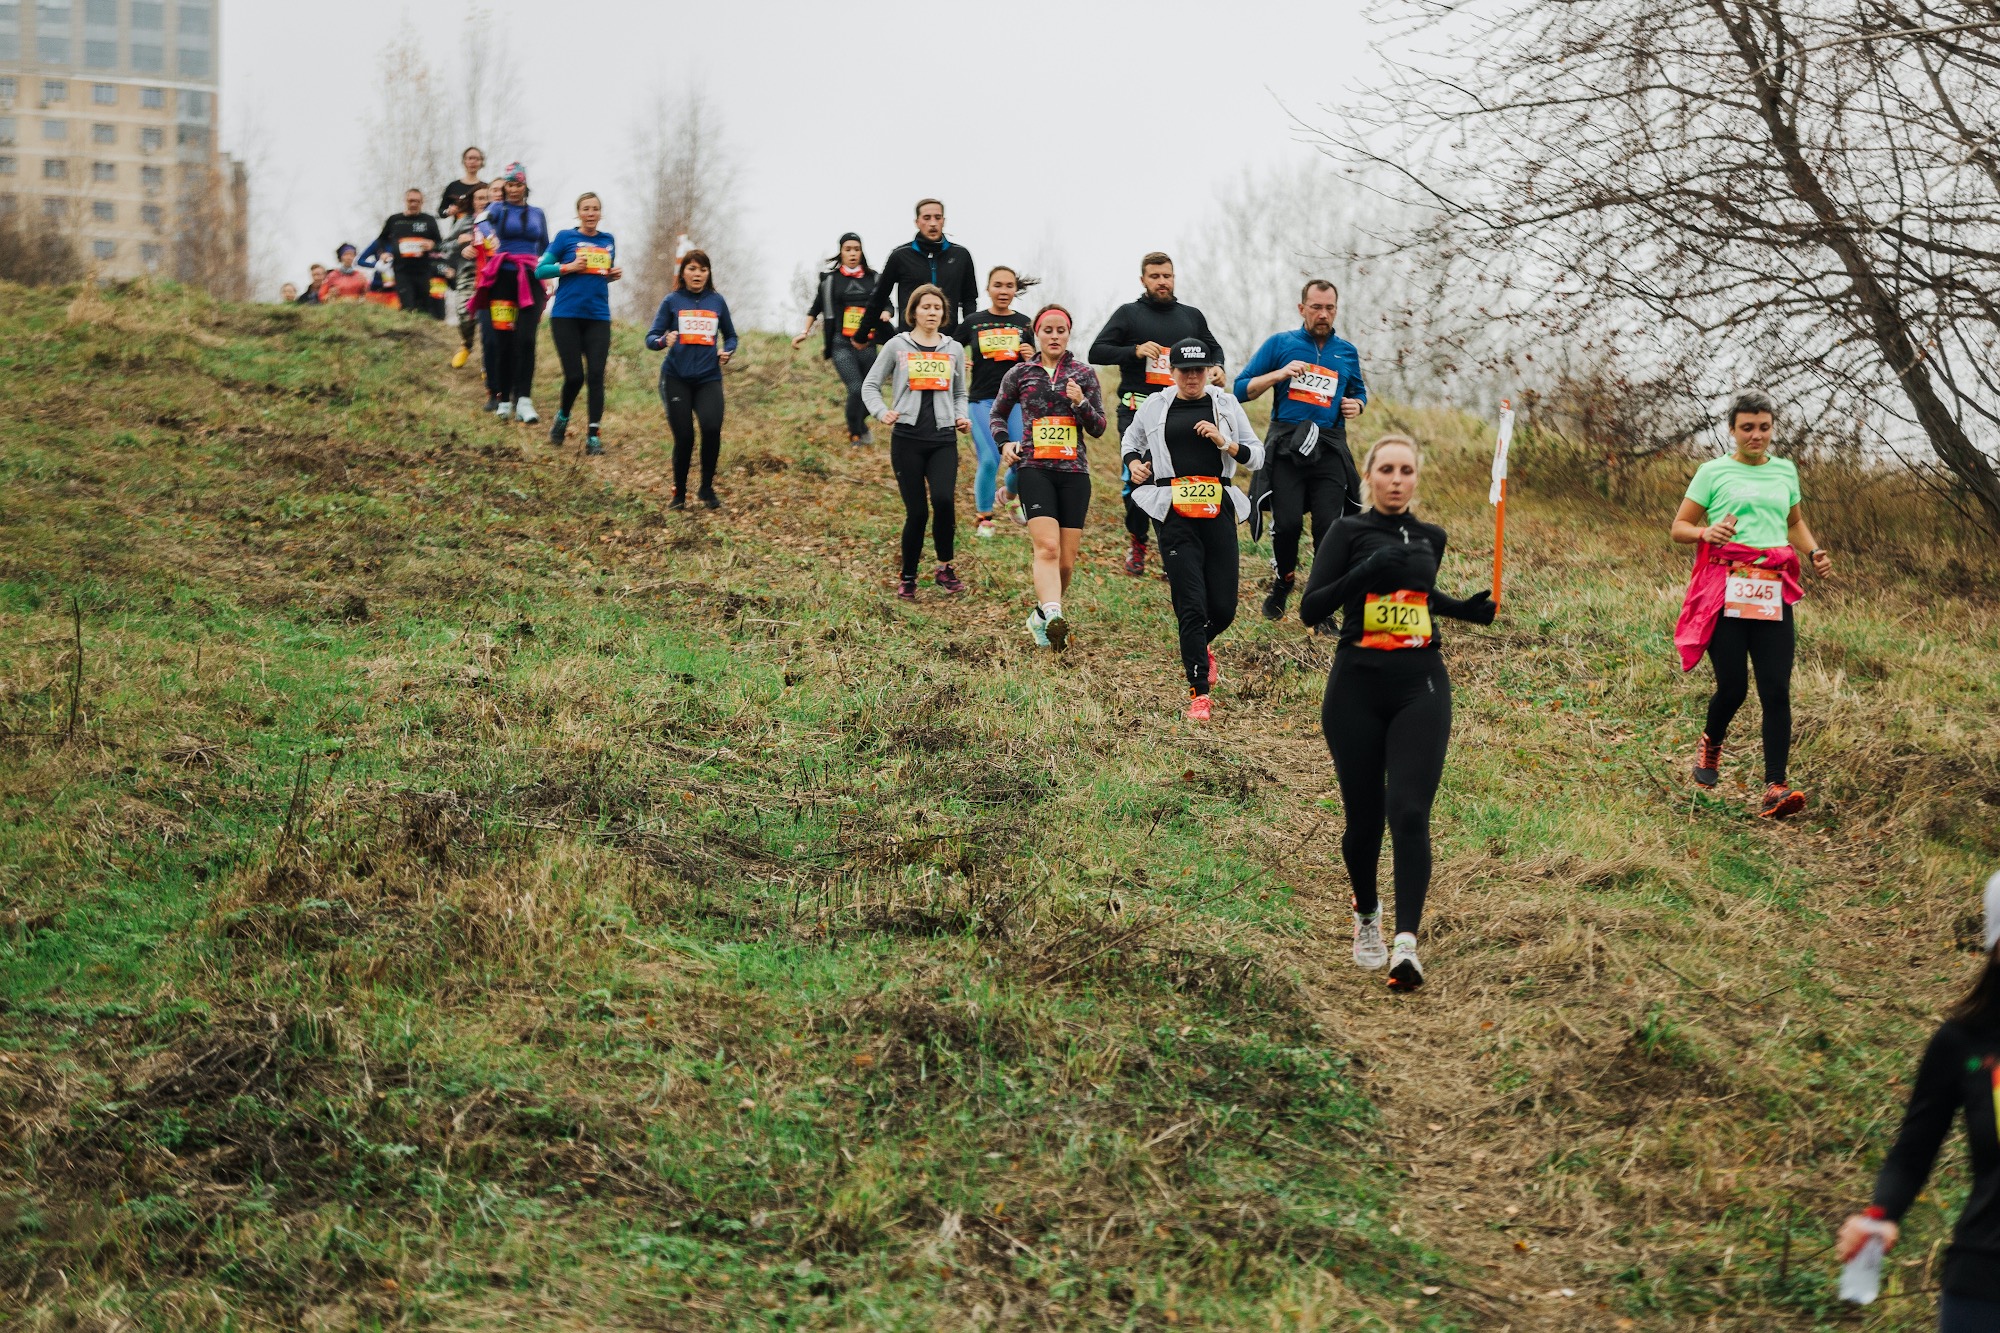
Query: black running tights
[
  {"x": 1387, "y": 719},
  {"x": 1765, "y": 646},
  {"x": 921, "y": 466},
  {"x": 1198, "y": 556},
  {"x": 514, "y": 354},
  {"x": 583, "y": 346},
  {"x": 686, "y": 404}
]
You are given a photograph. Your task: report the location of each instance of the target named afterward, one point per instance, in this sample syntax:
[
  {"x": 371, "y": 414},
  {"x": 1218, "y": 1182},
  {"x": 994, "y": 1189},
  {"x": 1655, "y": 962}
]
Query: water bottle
[{"x": 1861, "y": 1279}]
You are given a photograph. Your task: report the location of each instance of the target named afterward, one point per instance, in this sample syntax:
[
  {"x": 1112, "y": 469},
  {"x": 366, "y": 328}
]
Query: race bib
[
  {"x": 1158, "y": 371},
  {"x": 596, "y": 258},
  {"x": 929, "y": 372},
  {"x": 1197, "y": 497},
  {"x": 1754, "y": 594},
  {"x": 413, "y": 247},
  {"x": 850, "y": 320},
  {"x": 438, "y": 289},
  {"x": 1000, "y": 344},
  {"x": 1320, "y": 388},
  {"x": 697, "y": 327},
  {"x": 1400, "y": 619},
  {"x": 1053, "y": 438},
  {"x": 503, "y": 314}
]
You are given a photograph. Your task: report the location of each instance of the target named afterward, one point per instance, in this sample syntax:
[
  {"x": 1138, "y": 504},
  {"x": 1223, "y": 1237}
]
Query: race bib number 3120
[{"x": 1400, "y": 619}]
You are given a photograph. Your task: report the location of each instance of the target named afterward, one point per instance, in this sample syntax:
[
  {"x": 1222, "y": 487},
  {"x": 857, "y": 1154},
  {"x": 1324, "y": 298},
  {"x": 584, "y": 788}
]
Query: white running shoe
[
  {"x": 1405, "y": 972},
  {"x": 1369, "y": 951},
  {"x": 1037, "y": 628},
  {"x": 505, "y": 411},
  {"x": 1057, "y": 630},
  {"x": 525, "y": 410}
]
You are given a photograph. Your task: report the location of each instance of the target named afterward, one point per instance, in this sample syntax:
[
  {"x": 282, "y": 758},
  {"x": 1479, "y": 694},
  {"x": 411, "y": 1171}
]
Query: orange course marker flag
[{"x": 1497, "y": 494}]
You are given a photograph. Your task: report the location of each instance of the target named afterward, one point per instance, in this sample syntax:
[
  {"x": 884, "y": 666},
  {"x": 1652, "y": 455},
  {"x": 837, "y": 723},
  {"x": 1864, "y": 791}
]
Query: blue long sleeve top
[
  {"x": 580, "y": 295},
  {"x": 521, "y": 229},
  {"x": 1281, "y": 349},
  {"x": 694, "y": 362}
]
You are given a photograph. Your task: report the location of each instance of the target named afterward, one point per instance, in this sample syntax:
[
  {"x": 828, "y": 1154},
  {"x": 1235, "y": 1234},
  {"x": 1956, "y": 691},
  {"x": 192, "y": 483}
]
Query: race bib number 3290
[{"x": 928, "y": 372}]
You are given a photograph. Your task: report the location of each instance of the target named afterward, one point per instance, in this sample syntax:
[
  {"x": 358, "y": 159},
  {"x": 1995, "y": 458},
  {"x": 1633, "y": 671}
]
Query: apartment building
[{"x": 108, "y": 123}]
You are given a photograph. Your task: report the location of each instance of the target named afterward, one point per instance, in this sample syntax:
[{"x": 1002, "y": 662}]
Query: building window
[
  {"x": 153, "y": 99},
  {"x": 104, "y": 210},
  {"x": 151, "y": 214},
  {"x": 104, "y": 171},
  {"x": 55, "y": 209},
  {"x": 148, "y": 58},
  {"x": 52, "y": 50},
  {"x": 194, "y": 105},
  {"x": 152, "y": 177},
  {"x": 9, "y": 131},
  {"x": 152, "y": 138},
  {"x": 104, "y": 94},
  {"x": 52, "y": 16},
  {"x": 55, "y": 131},
  {"x": 149, "y": 15},
  {"x": 194, "y": 21},
  {"x": 103, "y": 13},
  {"x": 104, "y": 249},
  {"x": 100, "y": 55},
  {"x": 149, "y": 255},
  {"x": 55, "y": 169},
  {"x": 104, "y": 134},
  {"x": 10, "y": 166},
  {"x": 191, "y": 136},
  {"x": 194, "y": 64},
  {"x": 7, "y": 89},
  {"x": 55, "y": 90}
]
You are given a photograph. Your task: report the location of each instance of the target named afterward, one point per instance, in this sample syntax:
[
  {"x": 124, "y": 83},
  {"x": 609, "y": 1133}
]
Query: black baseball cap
[{"x": 1189, "y": 352}]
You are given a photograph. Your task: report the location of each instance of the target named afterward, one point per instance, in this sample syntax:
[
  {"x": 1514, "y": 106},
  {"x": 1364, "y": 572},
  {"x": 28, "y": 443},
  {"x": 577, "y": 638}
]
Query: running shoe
[
  {"x": 460, "y": 357},
  {"x": 984, "y": 529},
  {"x": 594, "y": 446},
  {"x": 1369, "y": 951},
  {"x": 1135, "y": 558},
  {"x": 1038, "y": 631},
  {"x": 1059, "y": 633},
  {"x": 492, "y": 403},
  {"x": 1781, "y": 802},
  {"x": 525, "y": 410},
  {"x": 1020, "y": 512},
  {"x": 1197, "y": 707},
  {"x": 948, "y": 579},
  {"x": 680, "y": 500},
  {"x": 1707, "y": 761},
  {"x": 1214, "y": 670},
  {"x": 906, "y": 588},
  {"x": 709, "y": 499},
  {"x": 1274, "y": 604},
  {"x": 557, "y": 430},
  {"x": 1405, "y": 972},
  {"x": 505, "y": 411}
]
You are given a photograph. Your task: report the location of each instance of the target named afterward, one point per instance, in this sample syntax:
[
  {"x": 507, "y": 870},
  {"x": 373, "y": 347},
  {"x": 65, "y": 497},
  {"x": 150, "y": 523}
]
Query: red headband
[{"x": 1047, "y": 309}]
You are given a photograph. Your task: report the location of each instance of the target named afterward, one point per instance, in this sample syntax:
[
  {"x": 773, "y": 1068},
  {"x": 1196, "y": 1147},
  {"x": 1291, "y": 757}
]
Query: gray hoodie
[{"x": 910, "y": 402}]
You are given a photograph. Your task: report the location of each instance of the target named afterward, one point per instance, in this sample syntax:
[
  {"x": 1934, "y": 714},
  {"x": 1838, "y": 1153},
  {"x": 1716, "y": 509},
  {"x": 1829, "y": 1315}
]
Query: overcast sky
[{"x": 1069, "y": 138}]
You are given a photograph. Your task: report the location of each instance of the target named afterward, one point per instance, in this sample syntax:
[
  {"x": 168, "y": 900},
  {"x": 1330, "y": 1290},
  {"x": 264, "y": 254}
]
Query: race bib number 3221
[{"x": 1053, "y": 438}]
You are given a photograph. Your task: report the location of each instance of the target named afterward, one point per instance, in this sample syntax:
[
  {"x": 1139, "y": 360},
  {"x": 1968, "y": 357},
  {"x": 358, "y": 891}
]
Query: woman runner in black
[
  {"x": 1387, "y": 709},
  {"x": 926, "y": 371}
]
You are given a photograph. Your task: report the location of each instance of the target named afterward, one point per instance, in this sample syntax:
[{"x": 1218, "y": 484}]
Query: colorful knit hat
[{"x": 514, "y": 171}]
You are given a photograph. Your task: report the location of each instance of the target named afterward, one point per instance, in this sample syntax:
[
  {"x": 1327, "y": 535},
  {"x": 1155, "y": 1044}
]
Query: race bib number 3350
[
  {"x": 1400, "y": 619},
  {"x": 697, "y": 327}
]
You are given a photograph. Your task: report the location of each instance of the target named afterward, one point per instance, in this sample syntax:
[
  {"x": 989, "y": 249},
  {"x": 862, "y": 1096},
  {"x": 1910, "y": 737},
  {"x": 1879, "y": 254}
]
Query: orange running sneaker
[
  {"x": 1781, "y": 801},
  {"x": 1707, "y": 761},
  {"x": 1197, "y": 707}
]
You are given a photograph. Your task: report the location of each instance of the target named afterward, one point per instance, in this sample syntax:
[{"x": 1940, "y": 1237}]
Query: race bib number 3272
[
  {"x": 1316, "y": 388},
  {"x": 1400, "y": 619}
]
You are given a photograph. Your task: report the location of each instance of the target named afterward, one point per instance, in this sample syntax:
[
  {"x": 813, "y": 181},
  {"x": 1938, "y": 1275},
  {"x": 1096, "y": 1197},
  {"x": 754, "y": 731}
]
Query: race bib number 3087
[{"x": 1000, "y": 344}]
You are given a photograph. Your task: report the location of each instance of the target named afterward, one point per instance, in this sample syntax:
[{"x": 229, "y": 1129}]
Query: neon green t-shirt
[{"x": 1761, "y": 497}]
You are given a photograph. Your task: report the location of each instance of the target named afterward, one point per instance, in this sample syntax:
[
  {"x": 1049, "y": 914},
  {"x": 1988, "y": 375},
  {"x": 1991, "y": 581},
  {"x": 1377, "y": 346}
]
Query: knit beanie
[{"x": 514, "y": 171}]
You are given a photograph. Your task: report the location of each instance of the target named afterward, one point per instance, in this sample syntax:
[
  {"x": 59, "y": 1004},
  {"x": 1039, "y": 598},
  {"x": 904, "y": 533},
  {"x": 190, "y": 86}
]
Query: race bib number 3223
[{"x": 1198, "y": 497}]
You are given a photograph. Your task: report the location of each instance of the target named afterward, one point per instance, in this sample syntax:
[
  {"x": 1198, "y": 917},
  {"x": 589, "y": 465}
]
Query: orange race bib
[
  {"x": 850, "y": 320},
  {"x": 1400, "y": 619},
  {"x": 596, "y": 258},
  {"x": 929, "y": 372},
  {"x": 503, "y": 315},
  {"x": 1320, "y": 388},
  {"x": 413, "y": 247},
  {"x": 1198, "y": 497},
  {"x": 697, "y": 327},
  {"x": 438, "y": 289},
  {"x": 1159, "y": 370},
  {"x": 1000, "y": 344},
  {"x": 1053, "y": 438},
  {"x": 1754, "y": 594}
]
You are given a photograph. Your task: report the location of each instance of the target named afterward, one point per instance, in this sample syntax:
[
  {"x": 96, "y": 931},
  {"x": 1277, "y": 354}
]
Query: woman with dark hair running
[
  {"x": 1743, "y": 518},
  {"x": 926, "y": 371},
  {"x": 840, "y": 307},
  {"x": 586, "y": 261},
  {"x": 694, "y": 329},
  {"x": 1959, "y": 1075},
  {"x": 509, "y": 295},
  {"x": 1386, "y": 714},
  {"x": 1060, "y": 400}
]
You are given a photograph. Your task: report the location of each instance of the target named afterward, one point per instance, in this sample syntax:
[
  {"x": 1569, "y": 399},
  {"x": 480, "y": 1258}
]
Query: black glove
[{"x": 1477, "y": 609}]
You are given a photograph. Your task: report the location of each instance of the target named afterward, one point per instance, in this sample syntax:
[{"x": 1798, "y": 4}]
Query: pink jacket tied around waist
[{"x": 1708, "y": 588}]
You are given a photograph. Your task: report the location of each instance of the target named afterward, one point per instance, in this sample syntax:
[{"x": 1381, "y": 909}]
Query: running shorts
[{"x": 1046, "y": 493}]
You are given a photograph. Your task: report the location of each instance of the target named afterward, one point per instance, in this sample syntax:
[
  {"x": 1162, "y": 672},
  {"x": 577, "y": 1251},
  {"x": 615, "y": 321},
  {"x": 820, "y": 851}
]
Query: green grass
[{"x": 472, "y": 895}]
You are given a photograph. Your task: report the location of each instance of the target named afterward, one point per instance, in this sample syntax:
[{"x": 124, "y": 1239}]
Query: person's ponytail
[{"x": 1979, "y": 1007}]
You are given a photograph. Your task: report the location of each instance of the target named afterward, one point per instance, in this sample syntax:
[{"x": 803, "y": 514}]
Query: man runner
[
  {"x": 409, "y": 237},
  {"x": 930, "y": 260},
  {"x": 1136, "y": 339},
  {"x": 1310, "y": 470}
]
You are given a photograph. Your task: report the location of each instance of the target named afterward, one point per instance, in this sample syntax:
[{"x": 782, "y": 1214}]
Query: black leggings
[
  {"x": 919, "y": 466},
  {"x": 1135, "y": 518},
  {"x": 1199, "y": 558},
  {"x": 1387, "y": 719},
  {"x": 1967, "y": 1314},
  {"x": 1300, "y": 484},
  {"x": 583, "y": 346},
  {"x": 1736, "y": 647},
  {"x": 852, "y": 364},
  {"x": 686, "y": 404},
  {"x": 514, "y": 353}
]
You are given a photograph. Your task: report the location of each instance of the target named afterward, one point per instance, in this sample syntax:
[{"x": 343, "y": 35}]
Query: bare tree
[
  {"x": 488, "y": 93},
  {"x": 686, "y": 194},
  {"x": 1803, "y": 191},
  {"x": 39, "y": 254},
  {"x": 409, "y": 135}
]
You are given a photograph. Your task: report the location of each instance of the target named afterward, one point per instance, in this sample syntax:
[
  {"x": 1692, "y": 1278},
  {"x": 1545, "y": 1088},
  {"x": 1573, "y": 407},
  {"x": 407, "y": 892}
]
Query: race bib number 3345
[
  {"x": 1753, "y": 594},
  {"x": 1400, "y": 619}
]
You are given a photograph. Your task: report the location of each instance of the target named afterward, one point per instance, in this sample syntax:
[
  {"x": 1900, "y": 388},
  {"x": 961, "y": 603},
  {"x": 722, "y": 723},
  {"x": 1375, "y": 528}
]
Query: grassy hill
[{"x": 440, "y": 888}]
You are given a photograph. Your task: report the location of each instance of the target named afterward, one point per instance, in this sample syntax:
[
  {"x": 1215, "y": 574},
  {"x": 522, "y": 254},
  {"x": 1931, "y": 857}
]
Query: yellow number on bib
[
  {"x": 1054, "y": 437},
  {"x": 1197, "y": 497},
  {"x": 928, "y": 373},
  {"x": 1401, "y": 619}
]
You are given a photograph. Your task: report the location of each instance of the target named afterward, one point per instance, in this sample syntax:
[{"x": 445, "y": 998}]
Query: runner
[
  {"x": 1960, "y": 1073},
  {"x": 1310, "y": 469},
  {"x": 458, "y": 247},
  {"x": 316, "y": 279},
  {"x": 926, "y": 370},
  {"x": 460, "y": 191},
  {"x": 930, "y": 260},
  {"x": 586, "y": 261},
  {"x": 1180, "y": 453},
  {"x": 408, "y": 238},
  {"x": 698, "y": 345},
  {"x": 509, "y": 294},
  {"x": 1738, "y": 605},
  {"x": 1062, "y": 402},
  {"x": 346, "y": 283},
  {"x": 1387, "y": 709},
  {"x": 1135, "y": 339},
  {"x": 839, "y": 307},
  {"x": 996, "y": 339}
]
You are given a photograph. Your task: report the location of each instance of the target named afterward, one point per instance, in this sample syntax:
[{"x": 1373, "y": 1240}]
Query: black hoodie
[
  {"x": 910, "y": 267},
  {"x": 1147, "y": 321}
]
